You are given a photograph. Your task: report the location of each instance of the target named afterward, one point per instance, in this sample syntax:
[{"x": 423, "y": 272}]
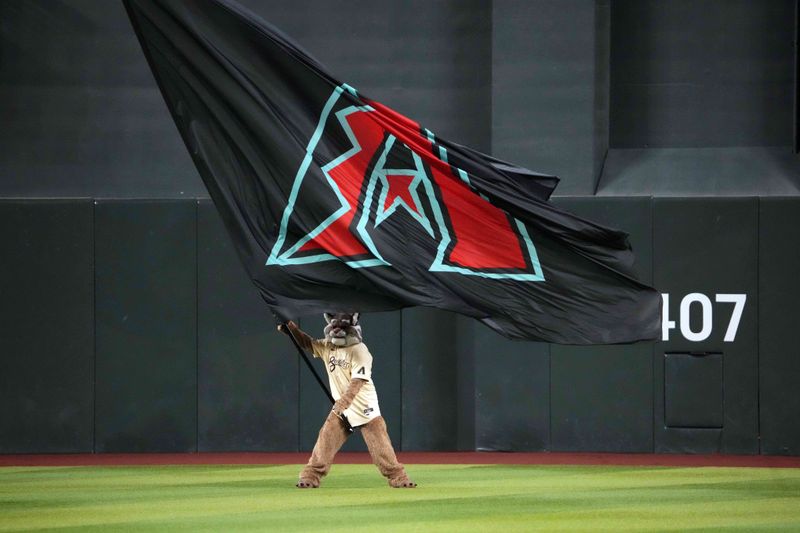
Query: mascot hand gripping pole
[{"x": 349, "y": 367}]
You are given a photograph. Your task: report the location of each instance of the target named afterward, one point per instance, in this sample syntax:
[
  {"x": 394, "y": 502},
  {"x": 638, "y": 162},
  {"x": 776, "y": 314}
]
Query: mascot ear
[
  {"x": 328, "y": 317},
  {"x": 355, "y": 318}
]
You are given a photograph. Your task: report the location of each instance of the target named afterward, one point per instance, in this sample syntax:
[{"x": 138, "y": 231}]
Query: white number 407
[{"x": 738, "y": 301}]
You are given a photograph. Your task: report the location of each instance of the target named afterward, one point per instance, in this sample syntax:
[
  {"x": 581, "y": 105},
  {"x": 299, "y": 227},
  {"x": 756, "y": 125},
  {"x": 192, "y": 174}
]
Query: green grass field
[{"x": 355, "y": 498}]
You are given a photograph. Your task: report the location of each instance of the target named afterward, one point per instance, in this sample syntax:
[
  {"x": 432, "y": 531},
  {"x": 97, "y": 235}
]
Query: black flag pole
[{"x": 304, "y": 357}]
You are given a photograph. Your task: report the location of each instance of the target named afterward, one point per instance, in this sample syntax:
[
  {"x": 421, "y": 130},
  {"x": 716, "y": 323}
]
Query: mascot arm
[
  {"x": 303, "y": 339},
  {"x": 348, "y": 396}
]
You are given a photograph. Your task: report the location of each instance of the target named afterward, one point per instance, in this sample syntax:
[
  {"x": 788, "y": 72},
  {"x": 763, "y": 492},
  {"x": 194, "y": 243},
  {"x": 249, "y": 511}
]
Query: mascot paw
[
  {"x": 402, "y": 484},
  {"x": 306, "y": 484}
]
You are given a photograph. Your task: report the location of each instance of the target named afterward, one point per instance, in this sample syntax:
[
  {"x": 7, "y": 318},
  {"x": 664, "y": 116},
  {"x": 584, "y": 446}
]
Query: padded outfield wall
[{"x": 126, "y": 323}]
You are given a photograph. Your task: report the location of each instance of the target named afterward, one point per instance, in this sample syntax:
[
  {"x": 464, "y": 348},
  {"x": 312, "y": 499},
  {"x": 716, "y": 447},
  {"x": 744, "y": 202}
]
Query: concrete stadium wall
[
  {"x": 617, "y": 97},
  {"x": 127, "y": 324}
]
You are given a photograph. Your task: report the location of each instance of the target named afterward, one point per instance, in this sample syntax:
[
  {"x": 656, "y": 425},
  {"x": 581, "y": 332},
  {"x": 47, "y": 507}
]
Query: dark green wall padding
[
  {"x": 145, "y": 280},
  {"x": 46, "y": 326},
  {"x": 131, "y": 326}
]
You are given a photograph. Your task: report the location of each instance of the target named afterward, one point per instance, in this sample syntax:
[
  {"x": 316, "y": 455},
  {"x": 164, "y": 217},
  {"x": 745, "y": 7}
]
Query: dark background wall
[{"x": 127, "y": 323}]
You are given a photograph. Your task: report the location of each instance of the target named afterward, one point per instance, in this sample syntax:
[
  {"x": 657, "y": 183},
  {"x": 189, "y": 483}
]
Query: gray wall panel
[
  {"x": 82, "y": 115},
  {"x": 512, "y": 393},
  {"x": 145, "y": 323},
  {"x": 429, "y": 374},
  {"x": 46, "y": 327},
  {"x": 548, "y": 87},
  {"x": 712, "y": 73},
  {"x": 465, "y": 381},
  {"x": 721, "y": 171},
  {"x": 247, "y": 374},
  {"x": 709, "y": 246},
  {"x": 694, "y": 394},
  {"x": 779, "y": 315},
  {"x": 602, "y": 396}
]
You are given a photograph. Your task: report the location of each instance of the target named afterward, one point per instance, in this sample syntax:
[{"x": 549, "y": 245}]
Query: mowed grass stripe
[{"x": 355, "y": 498}]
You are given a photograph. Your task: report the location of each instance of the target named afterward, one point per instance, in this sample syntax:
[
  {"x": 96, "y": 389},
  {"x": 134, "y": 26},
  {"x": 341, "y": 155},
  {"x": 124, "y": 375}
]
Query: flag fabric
[{"x": 336, "y": 202}]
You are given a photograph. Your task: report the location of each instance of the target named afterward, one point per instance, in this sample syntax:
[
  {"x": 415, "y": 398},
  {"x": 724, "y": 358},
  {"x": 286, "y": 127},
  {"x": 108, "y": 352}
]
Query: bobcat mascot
[{"x": 349, "y": 366}]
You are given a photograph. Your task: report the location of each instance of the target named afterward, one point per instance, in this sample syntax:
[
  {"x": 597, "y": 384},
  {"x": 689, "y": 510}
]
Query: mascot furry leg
[
  {"x": 382, "y": 453},
  {"x": 331, "y": 438}
]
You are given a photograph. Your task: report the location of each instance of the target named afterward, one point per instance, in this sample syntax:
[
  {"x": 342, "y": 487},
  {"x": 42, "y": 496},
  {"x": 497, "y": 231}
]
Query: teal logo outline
[{"x": 379, "y": 175}]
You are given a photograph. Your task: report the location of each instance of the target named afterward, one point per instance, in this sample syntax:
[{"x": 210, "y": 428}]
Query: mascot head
[{"x": 342, "y": 329}]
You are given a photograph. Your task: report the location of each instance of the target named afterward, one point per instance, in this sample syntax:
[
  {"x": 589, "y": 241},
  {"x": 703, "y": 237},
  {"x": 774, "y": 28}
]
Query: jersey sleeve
[
  {"x": 362, "y": 364},
  {"x": 318, "y": 348}
]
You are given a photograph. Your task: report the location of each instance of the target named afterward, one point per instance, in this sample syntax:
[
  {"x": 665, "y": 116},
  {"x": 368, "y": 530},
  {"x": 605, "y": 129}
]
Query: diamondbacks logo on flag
[
  {"x": 380, "y": 187},
  {"x": 336, "y": 202}
]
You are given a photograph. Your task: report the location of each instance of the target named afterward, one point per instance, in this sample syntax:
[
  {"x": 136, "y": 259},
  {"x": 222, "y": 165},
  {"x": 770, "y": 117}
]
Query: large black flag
[{"x": 336, "y": 202}]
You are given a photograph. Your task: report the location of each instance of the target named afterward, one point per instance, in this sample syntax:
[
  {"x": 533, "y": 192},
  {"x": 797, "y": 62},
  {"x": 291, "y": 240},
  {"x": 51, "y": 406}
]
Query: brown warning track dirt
[{"x": 492, "y": 458}]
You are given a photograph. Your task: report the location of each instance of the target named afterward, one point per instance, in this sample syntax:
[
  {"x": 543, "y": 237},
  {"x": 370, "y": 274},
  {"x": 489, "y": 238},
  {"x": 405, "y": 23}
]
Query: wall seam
[
  {"x": 549, "y": 397},
  {"x": 655, "y": 344},
  {"x": 490, "y": 89},
  {"x": 402, "y": 388},
  {"x": 600, "y": 173},
  {"x": 758, "y": 324},
  {"x": 796, "y": 102},
  {"x": 475, "y": 429},
  {"x": 299, "y": 404},
  {"x": 490, "y": 127},
  {"x": 606, "y": 91},
  {"x": 94, "y": 326},
  {"x": 196, "y": 326}
]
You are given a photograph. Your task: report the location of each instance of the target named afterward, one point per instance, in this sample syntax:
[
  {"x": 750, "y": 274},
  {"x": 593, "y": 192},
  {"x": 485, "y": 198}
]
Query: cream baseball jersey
[{"x": 344, "y": 363}]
